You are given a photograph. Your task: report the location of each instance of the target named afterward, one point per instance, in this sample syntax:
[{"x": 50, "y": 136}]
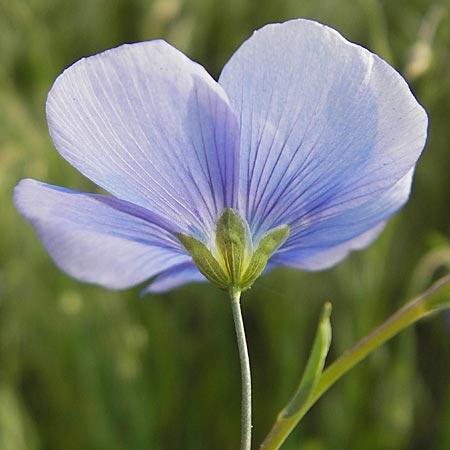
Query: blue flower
[{"x": 303, "y": 130}]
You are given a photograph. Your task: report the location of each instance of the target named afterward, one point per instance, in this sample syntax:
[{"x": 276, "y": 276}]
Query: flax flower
[{"x": 304, "y": 132}]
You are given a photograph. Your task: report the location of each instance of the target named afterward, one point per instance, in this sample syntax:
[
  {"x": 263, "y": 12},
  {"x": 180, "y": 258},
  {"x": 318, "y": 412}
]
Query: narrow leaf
[
  {"x": 315, "y": 365},
  {"x": 434, "y": 299}
]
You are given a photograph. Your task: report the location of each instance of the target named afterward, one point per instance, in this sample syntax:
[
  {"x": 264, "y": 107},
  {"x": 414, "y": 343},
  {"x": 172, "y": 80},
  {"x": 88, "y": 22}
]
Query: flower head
[{"x": 298, "y": 154}]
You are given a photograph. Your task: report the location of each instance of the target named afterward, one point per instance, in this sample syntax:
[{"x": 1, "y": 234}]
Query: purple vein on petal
[
  {"x": 288, "y": 182},
  {"x": 156, "y": 180},
  {"x": 261, "y": 132}
]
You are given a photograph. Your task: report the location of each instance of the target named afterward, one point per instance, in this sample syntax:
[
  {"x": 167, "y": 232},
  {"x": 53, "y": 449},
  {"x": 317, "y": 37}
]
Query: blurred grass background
[{"x": 82, "y": 368}]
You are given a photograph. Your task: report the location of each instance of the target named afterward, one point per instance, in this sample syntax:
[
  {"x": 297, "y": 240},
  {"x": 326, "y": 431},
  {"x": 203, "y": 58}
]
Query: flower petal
[
  {"x": 318, "y": 259},
  {"x": 327, "y": 240},
  {"x": 173, "y": 278},
  {"x": 151, "y": 127},
  {"x": 98, "y": 239},
  {"x": 326, "y": 126}
]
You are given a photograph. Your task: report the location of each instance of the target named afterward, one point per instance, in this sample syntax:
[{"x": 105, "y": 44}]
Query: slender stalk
[
  {"x": 432, "y": 300},
  {"x": 246, "y": 418}
]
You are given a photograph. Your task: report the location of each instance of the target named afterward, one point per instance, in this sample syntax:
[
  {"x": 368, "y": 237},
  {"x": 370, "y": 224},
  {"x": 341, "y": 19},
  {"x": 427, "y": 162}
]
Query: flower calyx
[{"x": 233, "y": 263}]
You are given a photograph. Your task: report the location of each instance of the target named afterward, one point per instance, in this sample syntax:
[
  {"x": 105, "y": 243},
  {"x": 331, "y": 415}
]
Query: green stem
[
  {"x": 433, "y": 299},
  {"x": 246, "y": 418}
]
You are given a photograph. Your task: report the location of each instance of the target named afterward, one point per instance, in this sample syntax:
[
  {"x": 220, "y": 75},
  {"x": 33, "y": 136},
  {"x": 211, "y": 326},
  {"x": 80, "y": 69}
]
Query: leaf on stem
[{"x": 314, "y": 366}]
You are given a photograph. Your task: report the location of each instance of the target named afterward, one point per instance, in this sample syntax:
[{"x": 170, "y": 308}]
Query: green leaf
[
  {"x": 314, "y": 367},
  {"x": 312, "y": 386}
]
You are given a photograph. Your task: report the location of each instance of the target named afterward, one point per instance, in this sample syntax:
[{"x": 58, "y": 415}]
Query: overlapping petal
[
  {"x": 151, "y": 127},
  {"x": 174, "y": 277},
  {"x": 96, "y": 238},
  {"x": 327, "y": 240},
  {"x": 303, "y": 129},
  {"x": 327, "y": 128}
]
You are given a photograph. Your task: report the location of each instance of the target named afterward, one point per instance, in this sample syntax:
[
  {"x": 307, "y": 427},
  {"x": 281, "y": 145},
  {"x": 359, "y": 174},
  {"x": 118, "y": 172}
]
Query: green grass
[{"x": 82, "y": 368}]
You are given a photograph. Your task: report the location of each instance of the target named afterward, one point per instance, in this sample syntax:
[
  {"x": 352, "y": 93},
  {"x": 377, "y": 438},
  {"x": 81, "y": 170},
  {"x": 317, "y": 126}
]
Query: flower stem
[
  {"x": 246, "y": 418},
  {"x": 434, "y": 299}
]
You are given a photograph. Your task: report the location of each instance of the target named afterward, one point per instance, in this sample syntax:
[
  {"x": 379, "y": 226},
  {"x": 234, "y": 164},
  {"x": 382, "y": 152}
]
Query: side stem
[
  {"x": 246, "y": 418},
  {"x": 435, "y": 298}
]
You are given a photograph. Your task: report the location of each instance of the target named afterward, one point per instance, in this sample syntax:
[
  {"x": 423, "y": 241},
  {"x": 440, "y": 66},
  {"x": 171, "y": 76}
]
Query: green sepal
[
  {"x": 267, "y": 245},
  {"x": 205, "y": 261},
  {"x": 232, "y": 263},
  {"x": 230, "y": 243}
]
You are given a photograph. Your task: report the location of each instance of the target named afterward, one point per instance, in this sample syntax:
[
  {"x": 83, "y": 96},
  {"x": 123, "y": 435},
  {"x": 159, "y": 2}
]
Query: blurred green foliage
[{"x": 82, "y": 368}]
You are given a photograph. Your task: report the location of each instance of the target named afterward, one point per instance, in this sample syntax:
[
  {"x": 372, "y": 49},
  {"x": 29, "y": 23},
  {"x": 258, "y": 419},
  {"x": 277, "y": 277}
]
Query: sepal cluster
[{"x": 233, "y": 262}]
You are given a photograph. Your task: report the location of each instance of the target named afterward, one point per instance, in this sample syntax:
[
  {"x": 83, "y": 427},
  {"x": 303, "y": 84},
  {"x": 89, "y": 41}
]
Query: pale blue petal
[
  {"x": 151, "y": 127},
  {"x": 326, "y": 127},
  {"x": 98, "y": 239},
  {"x": 316, "y": 258},
  {"x": 173, "y": 278},
  {"x": 328, "y": 239}
]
